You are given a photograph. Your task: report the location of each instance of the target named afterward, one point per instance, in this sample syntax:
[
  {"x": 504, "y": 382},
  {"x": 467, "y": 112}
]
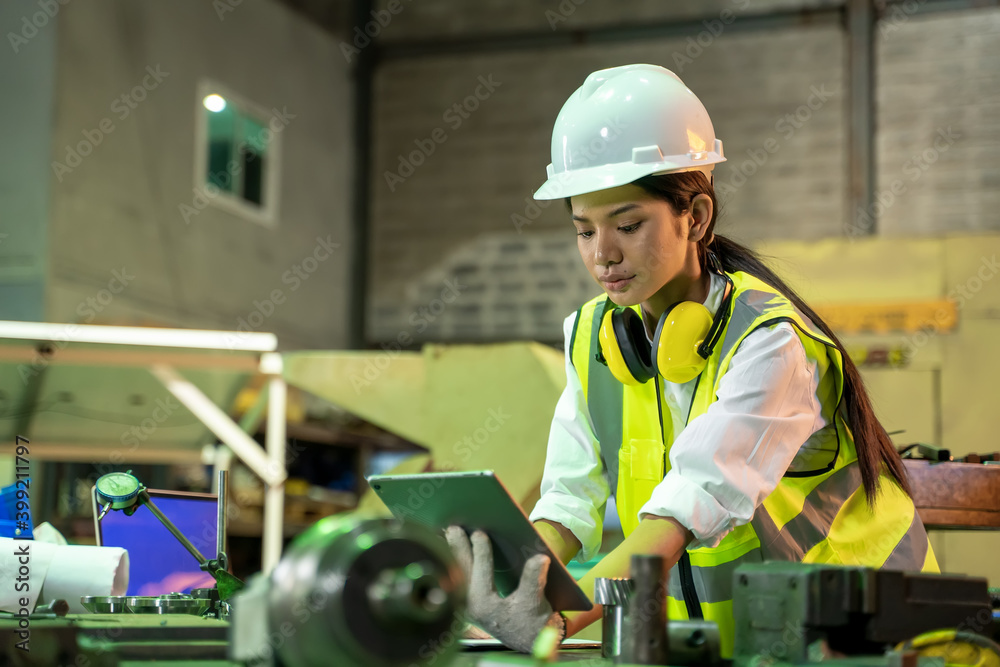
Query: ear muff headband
[{"x": 721, "y": 316}]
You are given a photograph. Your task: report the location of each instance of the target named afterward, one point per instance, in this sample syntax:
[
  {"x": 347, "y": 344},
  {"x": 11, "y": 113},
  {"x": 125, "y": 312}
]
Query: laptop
[{"x": 158, "y": 563}]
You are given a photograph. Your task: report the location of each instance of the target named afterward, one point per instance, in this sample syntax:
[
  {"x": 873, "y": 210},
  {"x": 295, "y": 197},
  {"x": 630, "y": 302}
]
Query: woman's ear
[{"x": 701, "y": 217}]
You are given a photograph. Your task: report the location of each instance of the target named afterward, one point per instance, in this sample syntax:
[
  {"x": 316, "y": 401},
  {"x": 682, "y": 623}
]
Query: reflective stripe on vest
[
  {"x": 605, "y": 389},
  {"x": 812, "y": 524},
  {"x": 913, "y": 547},
  {"x": 817, "y": 513}
]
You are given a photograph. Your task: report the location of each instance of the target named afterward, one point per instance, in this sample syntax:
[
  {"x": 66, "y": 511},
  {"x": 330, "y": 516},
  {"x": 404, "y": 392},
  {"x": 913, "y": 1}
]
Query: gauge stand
[{"x": 123, "y": 491}]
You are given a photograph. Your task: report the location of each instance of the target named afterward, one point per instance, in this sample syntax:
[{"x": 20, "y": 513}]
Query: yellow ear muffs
[
  {"x": 682, "y": 329},
  {"x": 626, "y": 351}
]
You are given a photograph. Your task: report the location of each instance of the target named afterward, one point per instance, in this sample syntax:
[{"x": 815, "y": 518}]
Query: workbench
[{"x": 121, "y": 640}]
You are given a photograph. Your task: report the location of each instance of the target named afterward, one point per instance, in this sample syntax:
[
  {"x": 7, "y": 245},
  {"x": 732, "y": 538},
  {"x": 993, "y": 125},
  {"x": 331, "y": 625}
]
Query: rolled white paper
[
  {"x": 38, "y": 570},
  {"x": 81, "y": 570}
]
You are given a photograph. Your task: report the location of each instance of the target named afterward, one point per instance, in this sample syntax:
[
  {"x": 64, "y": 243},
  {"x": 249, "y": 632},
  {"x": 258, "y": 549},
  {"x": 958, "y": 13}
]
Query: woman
[{"x": 702, "y": 392}]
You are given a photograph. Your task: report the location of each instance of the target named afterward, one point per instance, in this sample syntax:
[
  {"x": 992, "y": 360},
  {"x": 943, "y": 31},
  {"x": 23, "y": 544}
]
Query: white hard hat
[{"x": 624, "y": 123}]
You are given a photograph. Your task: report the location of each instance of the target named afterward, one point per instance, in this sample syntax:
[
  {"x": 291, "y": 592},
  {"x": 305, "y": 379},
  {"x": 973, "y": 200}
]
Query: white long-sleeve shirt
[{"x": 723, "y": 464}]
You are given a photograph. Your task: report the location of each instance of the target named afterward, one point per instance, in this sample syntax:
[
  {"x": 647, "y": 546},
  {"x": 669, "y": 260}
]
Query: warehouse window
[{"x": 237, "y": 153}]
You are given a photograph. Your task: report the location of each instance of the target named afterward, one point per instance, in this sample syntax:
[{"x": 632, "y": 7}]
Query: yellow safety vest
[{"x": 817, "y": 514}]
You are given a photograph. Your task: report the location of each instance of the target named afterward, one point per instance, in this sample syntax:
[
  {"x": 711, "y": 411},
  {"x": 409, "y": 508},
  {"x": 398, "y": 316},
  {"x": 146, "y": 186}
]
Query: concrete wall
[
  {"x": 119, "y": 209},
  {"x": 491, "y": 152},
  {"x": 27, "y": 79},
  {"x": 938, "y": 129}
]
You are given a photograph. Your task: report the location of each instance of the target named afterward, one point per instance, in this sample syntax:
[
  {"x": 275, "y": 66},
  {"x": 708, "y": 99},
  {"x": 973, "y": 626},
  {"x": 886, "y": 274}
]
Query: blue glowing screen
[{"x": 157, "y": 562}]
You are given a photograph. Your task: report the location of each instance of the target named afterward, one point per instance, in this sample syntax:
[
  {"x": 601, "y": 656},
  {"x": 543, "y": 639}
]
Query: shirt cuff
[
  {"x": 692, "y": 506},
  {"x": 580, "y": 518}
]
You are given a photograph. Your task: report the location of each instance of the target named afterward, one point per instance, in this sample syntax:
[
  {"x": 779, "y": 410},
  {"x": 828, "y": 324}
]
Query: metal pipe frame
[
  {"x": 269, "y": 465},
  {"x": 363, "y": 73},
  {"x": 274, "y": 499},
  {"x": 861, "y": 111},
  {"x": 131, "y": 346}
]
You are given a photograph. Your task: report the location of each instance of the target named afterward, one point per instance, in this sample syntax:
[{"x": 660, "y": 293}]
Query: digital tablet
[{"x": 478, "y": 501}]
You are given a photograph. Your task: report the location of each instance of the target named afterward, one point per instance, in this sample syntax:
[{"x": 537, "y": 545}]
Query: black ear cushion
[{"x": 631, "y": 337}]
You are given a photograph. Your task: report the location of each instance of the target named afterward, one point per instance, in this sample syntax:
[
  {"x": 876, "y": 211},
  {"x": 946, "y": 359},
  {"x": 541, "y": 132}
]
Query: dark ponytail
[{"x": 873, "y": 445}]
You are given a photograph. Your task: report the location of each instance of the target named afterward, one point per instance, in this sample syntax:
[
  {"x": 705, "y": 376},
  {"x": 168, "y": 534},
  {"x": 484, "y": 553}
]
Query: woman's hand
[{"x": 516, "y": 619}]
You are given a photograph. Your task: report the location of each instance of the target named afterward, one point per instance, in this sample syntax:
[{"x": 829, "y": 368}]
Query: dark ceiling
[{"x": 334, "y": 16}]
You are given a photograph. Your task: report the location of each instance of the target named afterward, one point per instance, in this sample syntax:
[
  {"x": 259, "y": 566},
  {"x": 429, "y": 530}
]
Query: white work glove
[{"x": 516, "y": 619}]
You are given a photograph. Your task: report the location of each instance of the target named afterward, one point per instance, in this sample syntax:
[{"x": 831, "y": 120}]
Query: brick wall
[{"x": 498, "y": 287}]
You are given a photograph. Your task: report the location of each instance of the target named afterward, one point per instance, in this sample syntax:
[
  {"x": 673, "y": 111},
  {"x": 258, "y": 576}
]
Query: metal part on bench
[
  {"x": 783, "y": 610},
  {"x": 614, "y": 595},
  {"x": 353, "y": 592}
]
